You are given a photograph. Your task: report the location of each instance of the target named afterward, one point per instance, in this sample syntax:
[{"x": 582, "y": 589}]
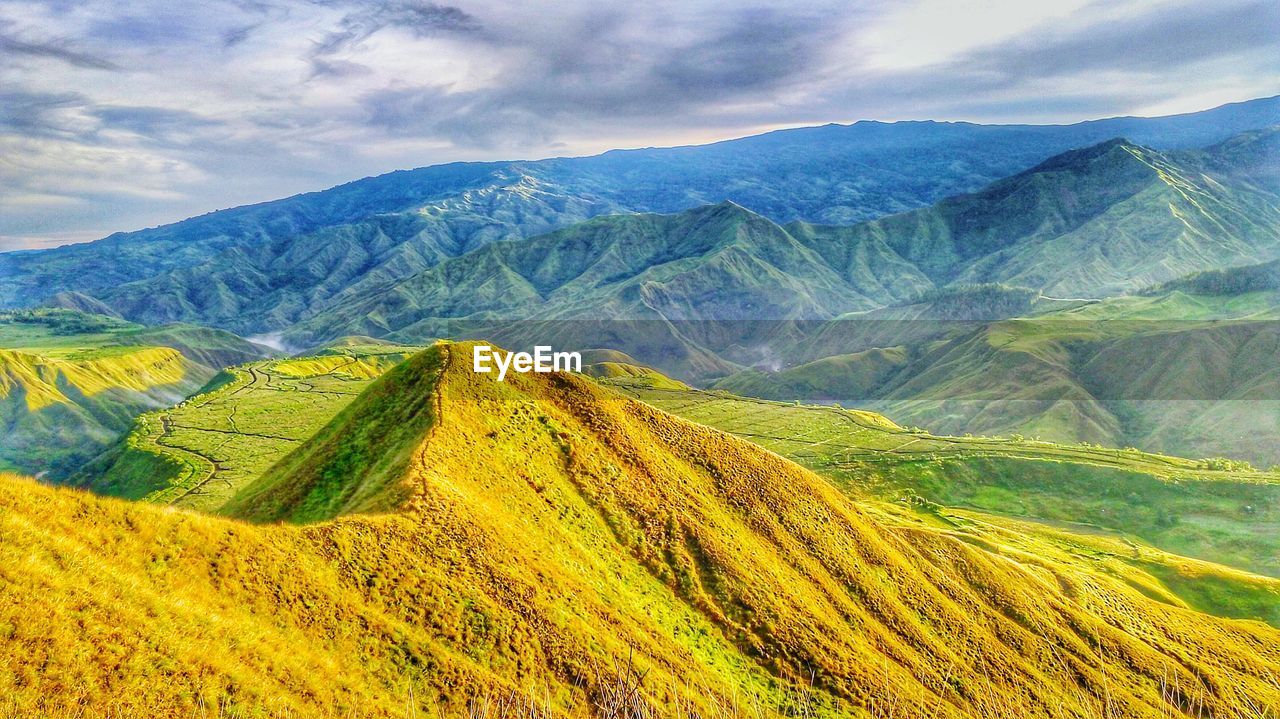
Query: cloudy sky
[{"x": 121, "y": 114}]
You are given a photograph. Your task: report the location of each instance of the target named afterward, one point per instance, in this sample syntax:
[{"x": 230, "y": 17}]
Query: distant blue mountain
[{"x": 267, "y": 266}]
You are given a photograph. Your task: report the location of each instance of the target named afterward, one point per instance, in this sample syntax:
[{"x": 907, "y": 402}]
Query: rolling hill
[
  {"x": 264, "y": 267},
  {"x": 596, "y": 552},
  {"x": 71, "y": 383},
  {"x": 1220, "y": 512},
  {"x": 1183, "y": 367},
  {"x": 200, "y": 452}
]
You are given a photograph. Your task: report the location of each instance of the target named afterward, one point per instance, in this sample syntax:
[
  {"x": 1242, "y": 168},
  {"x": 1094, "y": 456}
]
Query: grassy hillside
[
  {"x": 1213, "y": 511},
  {"x": 632, "y": 371},
  {"x": 1183, "y": 508},
  {"x": 355, "y": 462},
  {"x": 588, "y": 529},
  {"x": 70, "y": 382},
  {"x": 198, "y": 453},
  {"x": 1172, "y": 371}
]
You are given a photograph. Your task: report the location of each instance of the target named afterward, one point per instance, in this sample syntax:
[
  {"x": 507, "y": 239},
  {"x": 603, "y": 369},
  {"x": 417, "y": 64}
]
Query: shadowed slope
[{"x": 353, "y": 464}]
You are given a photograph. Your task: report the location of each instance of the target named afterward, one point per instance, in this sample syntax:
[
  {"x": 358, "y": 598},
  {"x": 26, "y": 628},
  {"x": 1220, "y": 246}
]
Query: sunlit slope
[
  {"x": 551, "y": 526},
  {"x": 602, "y": 363},
  {"x": 1218, "y": 513},
  {"x": 70, "y": 382},
  {"x": 56, "y": 412},
  {"x": 198, "y": 453}
]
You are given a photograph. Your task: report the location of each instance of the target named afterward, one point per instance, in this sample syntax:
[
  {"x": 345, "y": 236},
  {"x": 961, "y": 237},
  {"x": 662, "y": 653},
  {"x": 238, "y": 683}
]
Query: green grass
[
  {"x": 61, "y": 333},
  {"x": 833, "y": 434},
  {"x": 199, "y": 453},
  {"x": 72, "y": 383},
  {"x": 1177, "y": 505},
  {"x": 354, "y": 461},
  {"x": 546, "y": 529},
  {"x": 1176, "y": 374},
  {"x": 1177, "y": 306},
  {"x": 1216, "y": 593}
]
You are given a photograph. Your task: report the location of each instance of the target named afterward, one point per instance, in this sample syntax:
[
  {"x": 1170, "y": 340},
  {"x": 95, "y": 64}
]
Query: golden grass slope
[
  {"x": 43, "y": 381},
  {"x": 57, "y": 410},
  {"x": 353, "y": 366},
  {"x": 550, "y": 527}
]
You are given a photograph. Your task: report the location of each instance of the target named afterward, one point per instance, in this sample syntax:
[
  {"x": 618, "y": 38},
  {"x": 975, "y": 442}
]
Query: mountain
[
  {"x": 718, "y": 262},
  {"x": 544, "y": 542},
  {"x": 70, "y": 383},
  {"x": 688, "y": 293},
  {"x": 1096, "y": 222},
  {"x": 264, "y": 267},
  {"x": 1184, "y": 369},
  {"x": 1099, "y": 221}
]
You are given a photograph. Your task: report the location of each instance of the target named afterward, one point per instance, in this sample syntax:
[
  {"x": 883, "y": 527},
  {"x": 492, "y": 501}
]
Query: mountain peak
[
  {"x": 726, "y": 208},
  {"x": 357, "y": 462},
  {"x": 1117, "y": 148}
]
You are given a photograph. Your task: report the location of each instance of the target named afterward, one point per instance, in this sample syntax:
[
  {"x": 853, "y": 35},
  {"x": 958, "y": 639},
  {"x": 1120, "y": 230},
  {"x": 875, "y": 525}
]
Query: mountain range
[
  {"x": 1100, "y": 221},
  {"x": 265, "y": 267}
]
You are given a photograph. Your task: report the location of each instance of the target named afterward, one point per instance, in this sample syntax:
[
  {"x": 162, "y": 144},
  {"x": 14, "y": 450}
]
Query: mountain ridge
[
  {"x": 261, "y": 267},
  {"x": 593, "y": 527},
  {"x": 1096, "y": 221}
]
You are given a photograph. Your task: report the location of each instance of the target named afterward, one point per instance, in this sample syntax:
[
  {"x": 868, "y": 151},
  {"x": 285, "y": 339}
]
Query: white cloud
[
  {"x": 929, "y": 32},
  {"x": 137, "y": 112}
]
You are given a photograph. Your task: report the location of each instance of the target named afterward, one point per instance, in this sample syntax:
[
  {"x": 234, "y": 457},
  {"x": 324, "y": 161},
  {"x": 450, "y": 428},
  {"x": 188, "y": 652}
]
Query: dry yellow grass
[
  {"x": 44, "y": 380},
  {"x": 548, "y": 528},
  {"x": 655, "y": 378}
]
